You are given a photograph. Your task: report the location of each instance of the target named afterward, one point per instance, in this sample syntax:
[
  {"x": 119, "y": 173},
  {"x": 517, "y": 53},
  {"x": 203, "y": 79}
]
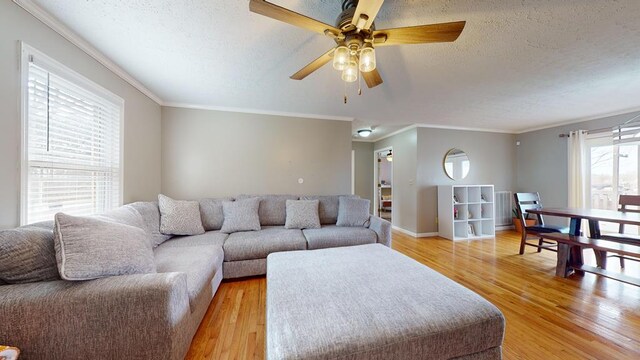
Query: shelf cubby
[{"x": 474, "y": 206}]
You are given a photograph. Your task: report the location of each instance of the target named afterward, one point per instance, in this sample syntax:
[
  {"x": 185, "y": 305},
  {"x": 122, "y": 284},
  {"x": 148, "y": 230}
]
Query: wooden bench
[{"x": 622, "y": 246}]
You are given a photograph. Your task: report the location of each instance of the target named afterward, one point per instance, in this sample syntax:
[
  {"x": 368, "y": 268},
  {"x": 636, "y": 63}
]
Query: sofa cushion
[
  {"x": 210, "y": 238},
  {"x": 27, "y": 254},
  {"x": 211, "y": 213},
  {"x": 259, "y": 244},
  {"x": 241, "y": 215},
  {"x": 123, "y": 215},
  {"x": 89, "y": 248},
  {"x": 272, "y": 210},
  {"x": 199, "y": 263},
  {"x": 179, "y": 217},
  {"x": 327, "y": 207},
  {"x": 150, "y": 213},
  {"x": 336, "y": 236},
  {"x": 353, "y": 212},
  {"x": 151, "y": 217},
  {"x": 302, "y": 214}
]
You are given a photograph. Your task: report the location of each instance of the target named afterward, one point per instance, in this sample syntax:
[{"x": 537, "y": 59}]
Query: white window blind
[
  {"x": 626, "y": 134},
  {"x": 72, "y": 153}
]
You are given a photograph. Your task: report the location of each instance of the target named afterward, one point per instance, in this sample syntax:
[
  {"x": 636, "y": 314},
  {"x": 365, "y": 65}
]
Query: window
[
  {"x": 71, "y": 152},
  {"x": 613, "y": 171}
]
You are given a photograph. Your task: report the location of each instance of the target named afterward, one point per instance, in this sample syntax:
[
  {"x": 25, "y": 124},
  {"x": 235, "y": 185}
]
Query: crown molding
[
  {"x": 406, "y": 128},
  {"x": 256, "y": 111},
  {"x": 579, "y": 120},
  {"x": 464, "y": 128},
  {"x": 64, "y": 31}
]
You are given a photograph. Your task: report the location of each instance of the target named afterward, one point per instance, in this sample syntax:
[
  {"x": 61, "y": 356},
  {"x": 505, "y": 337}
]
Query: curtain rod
[{"x": 603, "y": 130}]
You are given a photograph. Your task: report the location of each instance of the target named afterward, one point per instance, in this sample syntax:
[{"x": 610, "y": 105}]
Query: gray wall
[
  {"x": 216, "y": 153},
  {"x": 364, "y": 170},
  {"x": 142, "y": 115},
  {"x": 492, "y": 157},
  {"x": 404, "y": 214},
  {"x": 542, "y": 159}
]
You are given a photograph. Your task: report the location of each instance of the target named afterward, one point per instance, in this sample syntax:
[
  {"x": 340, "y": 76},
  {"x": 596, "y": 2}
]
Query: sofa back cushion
[
  {"x": 27, "y": 254},
  {"x": 273, "y": 208},
  {"x": 211, "y": 213},
  {"x": 151, "y": 217},
  {"x": 89, "y": 248},
  {"x": 327, "y": 207}
]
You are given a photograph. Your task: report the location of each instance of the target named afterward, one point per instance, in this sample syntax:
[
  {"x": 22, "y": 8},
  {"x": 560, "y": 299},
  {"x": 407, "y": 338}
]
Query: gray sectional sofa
[{"x": 155, "y": 316}]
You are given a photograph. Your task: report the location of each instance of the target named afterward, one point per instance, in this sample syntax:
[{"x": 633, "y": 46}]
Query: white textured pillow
[
  {"x": 241, "y": 215},
  {"x": 302, "y": 214},
  {"x": 89, "y": 248},
  {"x": 179, "y": 217}
]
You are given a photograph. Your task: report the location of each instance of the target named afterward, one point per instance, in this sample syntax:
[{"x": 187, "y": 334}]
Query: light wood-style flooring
[{"x": 581, "y": 317}]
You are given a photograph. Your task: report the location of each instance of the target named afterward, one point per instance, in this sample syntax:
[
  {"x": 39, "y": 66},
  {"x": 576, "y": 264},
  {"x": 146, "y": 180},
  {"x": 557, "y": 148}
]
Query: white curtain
[{"x": 578, "y": 169}]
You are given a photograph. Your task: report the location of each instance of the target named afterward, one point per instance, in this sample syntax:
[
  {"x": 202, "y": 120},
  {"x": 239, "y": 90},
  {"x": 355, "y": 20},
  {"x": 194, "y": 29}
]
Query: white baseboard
[{"x": 415, "y": 235}]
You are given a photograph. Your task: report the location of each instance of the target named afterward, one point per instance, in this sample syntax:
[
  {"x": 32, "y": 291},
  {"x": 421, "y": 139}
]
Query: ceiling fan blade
[
  {"x": 291, "y": 17},
  {"x": 314, "y": 65},
  {"x": 368, "y": 8},
  {"x": 445, "y": 32},
  {"x": 372, "y": 78}
]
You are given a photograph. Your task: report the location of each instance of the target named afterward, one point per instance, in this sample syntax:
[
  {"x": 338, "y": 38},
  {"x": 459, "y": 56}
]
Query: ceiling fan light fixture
[
  {"x": 364, "y": 132},
  {"x": 367, "y": 58},
  {"x": 341, "y": 58},
  {"x": 350, "y": 72}
]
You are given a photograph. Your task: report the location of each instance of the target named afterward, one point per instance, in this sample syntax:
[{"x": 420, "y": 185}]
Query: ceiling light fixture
[
  {"x": 389, "y": 156},
  {"x": 340, "y": 58},
  {"x": 364, "y": 132},
  {"x": 367, "y": 58},
  {"x": 350, "y": 72},
  {"x": 353, "y": 58}
]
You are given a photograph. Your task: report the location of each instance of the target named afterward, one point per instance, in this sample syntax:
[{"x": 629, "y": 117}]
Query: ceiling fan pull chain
[
  {"x": 359, "y": 82},
  {"x": 345, "y": 92}
]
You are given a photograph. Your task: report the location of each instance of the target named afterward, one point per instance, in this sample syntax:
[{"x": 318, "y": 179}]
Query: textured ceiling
[{"x": 517, "y": 65}]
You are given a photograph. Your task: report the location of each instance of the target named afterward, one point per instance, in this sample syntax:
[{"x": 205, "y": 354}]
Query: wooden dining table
[{"x": 570, "y": 245}]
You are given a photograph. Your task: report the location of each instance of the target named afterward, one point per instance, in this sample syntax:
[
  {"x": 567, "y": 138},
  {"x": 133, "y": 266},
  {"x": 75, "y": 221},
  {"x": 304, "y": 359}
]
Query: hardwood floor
[{"x": 581, "y": 317}]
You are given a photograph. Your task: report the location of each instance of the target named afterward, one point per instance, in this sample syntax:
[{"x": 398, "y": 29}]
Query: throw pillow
[
  {"x": 27, "y": 254},
  {"x": 353, "y": 212},
  {"x": 302, "y": 214},
  {"x": 241, "y": 215},
  {"x": 179, "y": 217},
  {"x": 88, "y": 248}
]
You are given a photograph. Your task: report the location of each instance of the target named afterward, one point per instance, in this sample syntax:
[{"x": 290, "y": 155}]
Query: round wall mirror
[{"x": 456, "y": 164}]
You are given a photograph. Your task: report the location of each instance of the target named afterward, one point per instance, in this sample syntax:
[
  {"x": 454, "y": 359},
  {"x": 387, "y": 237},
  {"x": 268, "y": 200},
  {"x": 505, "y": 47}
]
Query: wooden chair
[
  {"x": 623, "y": 205},
  {"x": 530, "y": 201}
]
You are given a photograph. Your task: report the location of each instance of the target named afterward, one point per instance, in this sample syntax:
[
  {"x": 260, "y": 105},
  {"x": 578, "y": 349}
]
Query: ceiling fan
[{"x": 356, "y": 37}]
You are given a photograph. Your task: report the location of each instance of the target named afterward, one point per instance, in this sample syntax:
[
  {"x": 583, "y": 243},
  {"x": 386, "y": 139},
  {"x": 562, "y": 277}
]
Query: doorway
[{"x": 383, "y": 180}]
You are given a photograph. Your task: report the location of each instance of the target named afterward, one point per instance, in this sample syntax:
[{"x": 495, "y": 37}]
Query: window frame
[
  {"x": 27, "y": 53},
  {"x": 605, "y": 139}
]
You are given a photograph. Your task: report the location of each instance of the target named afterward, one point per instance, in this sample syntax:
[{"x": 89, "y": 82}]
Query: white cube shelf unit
[{"x": 466, "y": 212}]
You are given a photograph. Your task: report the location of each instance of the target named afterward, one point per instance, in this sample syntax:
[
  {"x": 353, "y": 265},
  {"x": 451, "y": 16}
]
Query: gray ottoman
[{"x": 371, "y": 302}]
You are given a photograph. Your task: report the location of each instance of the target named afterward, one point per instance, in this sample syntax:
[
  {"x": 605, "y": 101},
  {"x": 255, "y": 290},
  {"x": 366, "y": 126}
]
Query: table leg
[
  {"x": 594, "y": 229},
  {"x": 601, "y": 256},
  {"x": 574, "y": 226},
  {"x": 575, "y": 252},
  {"x": 562, "y": 266}
]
